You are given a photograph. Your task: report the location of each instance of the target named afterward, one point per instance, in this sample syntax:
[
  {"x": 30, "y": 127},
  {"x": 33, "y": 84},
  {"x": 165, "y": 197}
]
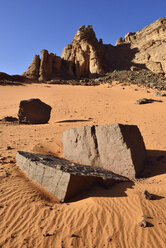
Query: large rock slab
[
  {"x": 116, "y": 147},
  {"x": 61, "y": 177},
  {"x": 34, "y": 111}
]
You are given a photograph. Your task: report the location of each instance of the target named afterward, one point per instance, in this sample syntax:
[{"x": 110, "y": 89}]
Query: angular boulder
[
  {"x": 34, "y": 111},
  {"x": 61, "y": 177},
  {"x": 115, "y": 147}
]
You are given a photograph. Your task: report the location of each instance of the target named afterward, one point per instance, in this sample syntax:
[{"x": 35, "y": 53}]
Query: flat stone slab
[
  {"x": 61, "y": 177},
  {"x": 115, "y": 147}
]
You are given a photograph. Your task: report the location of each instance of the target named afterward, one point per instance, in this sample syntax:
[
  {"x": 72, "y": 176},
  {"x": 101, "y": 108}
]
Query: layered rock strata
[{"x": 150, "y": 43}]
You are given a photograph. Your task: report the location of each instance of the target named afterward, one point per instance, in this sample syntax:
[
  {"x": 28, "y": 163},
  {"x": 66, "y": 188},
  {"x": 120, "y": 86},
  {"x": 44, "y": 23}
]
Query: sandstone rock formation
[
  {"x": 61, "y": 177},
  {"x": 150, "y": 43},
  {"x": 86, "y": 56},
  {"x": 84, "y": 53},
  {"x": 115, "y": 147},
  {"x": 33, "y": 70},
  {"x": 34, "y": 111}
]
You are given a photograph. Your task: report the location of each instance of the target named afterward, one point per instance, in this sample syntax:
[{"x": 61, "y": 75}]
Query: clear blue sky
[{"x": 28, "y": 26}]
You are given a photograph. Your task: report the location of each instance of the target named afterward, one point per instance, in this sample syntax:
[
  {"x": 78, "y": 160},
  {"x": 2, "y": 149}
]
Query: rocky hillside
[
  {"x": 150, "y": 43},
  {"x": 87, "y": 57}
]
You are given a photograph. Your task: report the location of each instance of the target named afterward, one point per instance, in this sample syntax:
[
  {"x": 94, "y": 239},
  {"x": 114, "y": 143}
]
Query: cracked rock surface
[{"x": 116, "y": 147}]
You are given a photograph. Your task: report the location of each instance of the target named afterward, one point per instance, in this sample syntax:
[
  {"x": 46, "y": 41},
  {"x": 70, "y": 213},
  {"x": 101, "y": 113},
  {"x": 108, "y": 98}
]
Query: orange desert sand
[{"x": 101, "y": 218}]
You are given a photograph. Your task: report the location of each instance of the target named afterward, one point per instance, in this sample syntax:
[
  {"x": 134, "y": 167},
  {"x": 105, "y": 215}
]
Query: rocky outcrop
[
  {"x": 115, "y": 147},
  {"x": 48, "y": 67},
  {"x": 34, "y": 111},
  {"x": 150, "y": 43},
  {"x": 84, "y": 53},
  {"x": 33, "y": 70},
  {"x": 61, "y": 177},
  {"x": 87, "y": 56}
]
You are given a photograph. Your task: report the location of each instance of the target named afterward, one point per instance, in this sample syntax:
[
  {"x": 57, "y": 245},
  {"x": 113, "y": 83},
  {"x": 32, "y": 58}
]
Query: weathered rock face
[
  {"x": 46, "y": 65},
  {"x": 116, "y": 147},
  {"x": 86, "y": 56},
  {"x": 84, "y": 53},
  {"x": 150, "y": 43},
  {"x": 61, "y": 177},
  {"x": 33, "y": 70},
  {"x": 34, "y": 111}
]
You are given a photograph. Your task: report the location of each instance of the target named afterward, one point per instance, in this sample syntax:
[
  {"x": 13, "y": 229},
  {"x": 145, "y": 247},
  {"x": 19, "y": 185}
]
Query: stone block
[
  {"x": 61, "y": 177},
  {"x": 115, "y": 147}
]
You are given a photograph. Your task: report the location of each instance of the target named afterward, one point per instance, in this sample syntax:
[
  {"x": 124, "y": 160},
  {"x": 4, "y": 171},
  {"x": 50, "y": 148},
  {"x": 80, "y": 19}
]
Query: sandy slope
[{"x": 30, "y": 217}]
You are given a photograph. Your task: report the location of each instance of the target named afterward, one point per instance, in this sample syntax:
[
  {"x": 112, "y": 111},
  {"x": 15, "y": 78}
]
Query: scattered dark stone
[
  {"x": 12, "y": 161},
  {"x": 158, "y": 93},
  {"x": 143, "y": 223},
  {"x": 34, "y": 111},
  {"x": 7, "y": 174},
  {"x": 109, "y": 239},
  {"x": 147, "y": 195},
  {"x": 75, "y": 236},
  {"x": 48, "y": 234},
  {"x": 9, "y": 148},
  {"x": 3, "y": 158},
  {"x": 146, "y": 100}
]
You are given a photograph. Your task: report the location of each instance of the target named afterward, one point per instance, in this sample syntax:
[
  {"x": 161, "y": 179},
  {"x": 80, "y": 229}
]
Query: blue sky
[{"x": 28, "y": 26}]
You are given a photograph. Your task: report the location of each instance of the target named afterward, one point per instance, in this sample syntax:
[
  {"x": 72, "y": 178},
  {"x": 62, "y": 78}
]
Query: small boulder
[
  {"x": 34, "y": 111},
  {"x": 143, "y": 223},
  {"x": 147, "y": 195}
]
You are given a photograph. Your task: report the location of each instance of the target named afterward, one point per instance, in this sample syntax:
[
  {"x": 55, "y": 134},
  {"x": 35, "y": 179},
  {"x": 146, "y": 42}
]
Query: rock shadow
[
  {"x": 75, "y": 120},
  {"x": 121, "y": 57},
  {"x": 149, "y": 224},
  {"x": 116, "y": 190},
  {"x": 156, "y": 197},
  {"x": 156, "y": 164}
]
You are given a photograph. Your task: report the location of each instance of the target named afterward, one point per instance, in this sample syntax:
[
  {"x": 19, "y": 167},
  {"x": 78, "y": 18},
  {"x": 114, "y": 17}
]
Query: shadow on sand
[
  {"x": 156, "y": 163},
  {"x": 116, "y": 190},
  {"x": 79, "y": 120}
]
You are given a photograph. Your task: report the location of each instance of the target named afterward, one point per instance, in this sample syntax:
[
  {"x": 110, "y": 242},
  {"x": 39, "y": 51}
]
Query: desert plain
[{"x": 100, "y": 218}]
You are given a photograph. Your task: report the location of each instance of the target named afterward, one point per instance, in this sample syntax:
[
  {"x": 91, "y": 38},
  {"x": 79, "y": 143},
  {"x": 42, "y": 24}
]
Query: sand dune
[{"x": 30, "y": 217}]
